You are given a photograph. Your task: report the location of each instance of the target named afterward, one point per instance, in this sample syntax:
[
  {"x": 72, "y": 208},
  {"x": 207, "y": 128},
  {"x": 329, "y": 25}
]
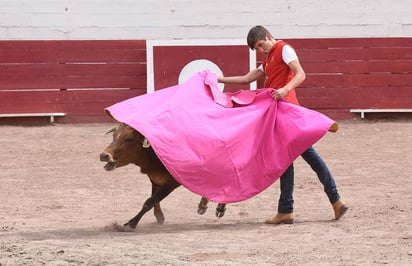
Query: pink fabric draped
[{"x": 226, "y": 147}]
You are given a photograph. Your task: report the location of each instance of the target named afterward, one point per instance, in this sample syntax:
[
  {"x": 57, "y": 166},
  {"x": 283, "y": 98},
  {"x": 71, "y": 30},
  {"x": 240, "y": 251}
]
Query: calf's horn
[
  {"x": 145, "y": 143},
  {"x": 113, "y": 129}
]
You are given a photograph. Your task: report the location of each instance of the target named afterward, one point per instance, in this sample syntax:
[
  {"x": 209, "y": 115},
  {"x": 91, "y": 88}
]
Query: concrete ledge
[
  {"x": 377, "y": 110},
  {"x": 52, "y": 115}
]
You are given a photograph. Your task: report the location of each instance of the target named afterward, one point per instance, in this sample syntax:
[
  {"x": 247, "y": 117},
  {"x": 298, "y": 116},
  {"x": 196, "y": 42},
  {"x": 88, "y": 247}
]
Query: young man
[{"x": 283, "y": 72}]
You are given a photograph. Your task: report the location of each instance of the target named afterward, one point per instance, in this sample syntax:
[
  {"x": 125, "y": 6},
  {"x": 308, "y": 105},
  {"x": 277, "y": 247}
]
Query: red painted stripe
[
  {"x": 72, "y": 102},
  {"x": 52, "y": 76},
  {"x": 361, "y": 67},
  {"x": 357, "y": 80},
  {"x": 72, "y": 51}
]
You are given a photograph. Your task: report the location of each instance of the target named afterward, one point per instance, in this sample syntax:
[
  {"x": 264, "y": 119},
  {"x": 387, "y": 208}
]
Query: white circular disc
[{"x": 199, "y": 65}]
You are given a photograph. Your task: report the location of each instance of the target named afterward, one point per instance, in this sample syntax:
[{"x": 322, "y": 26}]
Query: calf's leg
[
  {"x": 160, "y": 194},
  {"x": 160, "y": 218}
]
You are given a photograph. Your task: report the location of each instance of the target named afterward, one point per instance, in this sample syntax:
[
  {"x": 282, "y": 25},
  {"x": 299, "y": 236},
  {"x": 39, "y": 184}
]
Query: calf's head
[{"x": 127, "y": 146}]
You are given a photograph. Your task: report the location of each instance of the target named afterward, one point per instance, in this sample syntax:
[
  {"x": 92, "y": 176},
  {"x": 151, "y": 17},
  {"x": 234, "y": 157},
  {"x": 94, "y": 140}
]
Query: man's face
[{"x": 263, "y": 46}]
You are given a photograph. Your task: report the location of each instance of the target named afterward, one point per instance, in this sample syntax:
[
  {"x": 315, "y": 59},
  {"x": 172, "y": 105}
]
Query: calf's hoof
[
  {"x": 220, "y": 210},
  {"x": 127, "y": 227},
  {"x": 119, "y": 228},
  {"x": 160, "y": 219},
  {"x": 201, "y": 209}
]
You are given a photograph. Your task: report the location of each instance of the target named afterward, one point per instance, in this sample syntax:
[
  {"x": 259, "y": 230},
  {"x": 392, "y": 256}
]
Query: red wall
[{"x": 81, "y": 78}]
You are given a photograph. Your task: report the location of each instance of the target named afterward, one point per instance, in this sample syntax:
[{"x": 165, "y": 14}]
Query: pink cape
[{"x": 226, "y": 147}]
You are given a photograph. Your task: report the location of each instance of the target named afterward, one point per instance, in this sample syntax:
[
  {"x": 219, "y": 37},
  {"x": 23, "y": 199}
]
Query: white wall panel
[{"x": 177, "y": 19}]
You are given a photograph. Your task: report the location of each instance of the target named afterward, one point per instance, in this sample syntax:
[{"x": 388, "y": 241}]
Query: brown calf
[{"x": 131, "y": 147}]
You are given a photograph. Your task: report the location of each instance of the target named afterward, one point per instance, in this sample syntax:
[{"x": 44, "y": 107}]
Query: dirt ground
[{"x": 57, "y": 204}]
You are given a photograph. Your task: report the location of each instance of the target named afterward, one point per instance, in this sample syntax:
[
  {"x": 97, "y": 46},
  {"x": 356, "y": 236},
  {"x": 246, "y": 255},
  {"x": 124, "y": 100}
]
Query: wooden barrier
[
  {"x": 81, "y": 77},
  {"x": 78, "y": 78}
]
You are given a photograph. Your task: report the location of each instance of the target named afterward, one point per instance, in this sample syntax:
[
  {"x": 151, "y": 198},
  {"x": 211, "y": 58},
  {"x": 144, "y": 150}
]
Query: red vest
[{"x": 278, "y": 74}]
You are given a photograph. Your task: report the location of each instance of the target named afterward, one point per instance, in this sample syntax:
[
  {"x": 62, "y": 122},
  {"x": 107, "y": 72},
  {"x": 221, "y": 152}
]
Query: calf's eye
[{"x": 128, "y": 140}]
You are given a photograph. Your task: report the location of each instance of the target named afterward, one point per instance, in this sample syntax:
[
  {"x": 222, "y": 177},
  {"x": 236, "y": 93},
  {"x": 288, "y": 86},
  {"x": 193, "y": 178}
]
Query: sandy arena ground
[{"x": 57, "y": 204}]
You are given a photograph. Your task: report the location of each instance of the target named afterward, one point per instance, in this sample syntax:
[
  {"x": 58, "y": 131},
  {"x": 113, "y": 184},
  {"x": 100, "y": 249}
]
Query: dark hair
[{"x": 255, "y": 34}]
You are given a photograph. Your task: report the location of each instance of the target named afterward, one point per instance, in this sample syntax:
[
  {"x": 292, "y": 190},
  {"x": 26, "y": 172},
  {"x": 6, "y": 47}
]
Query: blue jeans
[{"x": 287, "y": 181}]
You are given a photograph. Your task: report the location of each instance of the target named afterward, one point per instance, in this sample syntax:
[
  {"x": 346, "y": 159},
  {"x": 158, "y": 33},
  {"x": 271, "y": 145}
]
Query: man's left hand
[{"x": 278, "y": 94}]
